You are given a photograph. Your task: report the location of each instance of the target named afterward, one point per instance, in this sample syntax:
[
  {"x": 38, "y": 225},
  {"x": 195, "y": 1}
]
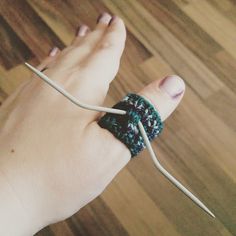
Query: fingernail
[
  {"x": 113, "y": 19},
  {"x": 53, "y": 52},
  {"x": 104, "y": 18},
  {"x": 173, "y": 85},
  {"x": 82, "y": 30}
]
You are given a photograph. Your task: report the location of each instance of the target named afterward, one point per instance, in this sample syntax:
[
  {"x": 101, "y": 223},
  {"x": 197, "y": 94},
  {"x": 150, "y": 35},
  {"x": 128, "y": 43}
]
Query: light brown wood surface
[{"x": 195, "y": 39}]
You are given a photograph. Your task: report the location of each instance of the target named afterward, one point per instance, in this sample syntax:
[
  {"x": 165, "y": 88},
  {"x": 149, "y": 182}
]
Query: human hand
[{"x": 54, "y": 155}]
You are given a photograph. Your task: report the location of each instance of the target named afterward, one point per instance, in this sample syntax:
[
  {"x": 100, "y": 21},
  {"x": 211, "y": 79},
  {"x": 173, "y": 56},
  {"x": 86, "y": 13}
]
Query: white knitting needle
[
  {"x": 70, "y": 97},
  {"x": 168, "y": 175},
  {"x": 141, "y": 128}
]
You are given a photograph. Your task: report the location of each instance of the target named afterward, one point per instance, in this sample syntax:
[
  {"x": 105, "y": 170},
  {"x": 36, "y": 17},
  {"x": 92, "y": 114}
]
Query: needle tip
[
  {"x": 27, "y": 65},
  {"x": 30, "y": 67},
  {"x": 213, "y": 215},
  {"x": 210, "y": 213}
]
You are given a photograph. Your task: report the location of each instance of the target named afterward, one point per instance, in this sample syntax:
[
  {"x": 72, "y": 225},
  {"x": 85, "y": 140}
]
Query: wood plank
[
  {"x": 183, "y": 61},
  {"x": 29, "y": 27},
  {"x": 214, "y": 23},
  {"x": 170, "y": 14},
  {"x": 11, "y": 79},
  {"x": 55, "y": 19},
  {"x": 98, "y": 215},
  {"x": 176, "y": 143},
  {"x": 12, "y": 50},
  {"x": 135, "y": 210}
]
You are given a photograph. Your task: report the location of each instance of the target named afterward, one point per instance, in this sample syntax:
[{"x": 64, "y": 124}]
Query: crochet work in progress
[
  {"x": 133, "y": 111},
  {"x": 125, "y": 127}
]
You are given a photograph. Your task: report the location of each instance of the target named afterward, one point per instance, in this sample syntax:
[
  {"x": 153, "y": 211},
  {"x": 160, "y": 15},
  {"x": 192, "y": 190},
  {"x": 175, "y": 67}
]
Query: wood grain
[{"x": 192, "y": 38}]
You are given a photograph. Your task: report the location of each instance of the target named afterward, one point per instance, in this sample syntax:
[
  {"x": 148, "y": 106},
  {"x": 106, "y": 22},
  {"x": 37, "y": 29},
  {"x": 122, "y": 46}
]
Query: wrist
[
  {"x": 18, "y": 210},
  {"x": 12, "y": 212}
]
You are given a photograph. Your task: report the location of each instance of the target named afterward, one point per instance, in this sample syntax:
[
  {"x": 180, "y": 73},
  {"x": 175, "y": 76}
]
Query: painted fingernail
[
  {"x": 113, "y": 20},
  {"x": 104, "y": 18},
  {"x": 173, "y": 85},
  {"x": 53, "y": 52},
  {"x": 82, "y": 30}
]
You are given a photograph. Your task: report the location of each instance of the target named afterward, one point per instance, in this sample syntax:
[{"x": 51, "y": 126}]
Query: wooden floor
[{"x": 195, "y": 39}]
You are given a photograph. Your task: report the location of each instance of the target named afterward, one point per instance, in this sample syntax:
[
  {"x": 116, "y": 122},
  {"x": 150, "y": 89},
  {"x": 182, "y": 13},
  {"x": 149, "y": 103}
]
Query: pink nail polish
[
  {"x": 53, "y": 52},
  {"x": 113, "y": 19},
  {"x": 172, "y": 85},
  {"x": 82, "y": 30},
  {"x": 104, "y": 18}
]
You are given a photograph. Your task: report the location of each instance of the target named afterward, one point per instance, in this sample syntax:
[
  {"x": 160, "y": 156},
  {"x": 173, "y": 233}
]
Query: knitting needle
[
  {"x": 168, "y": 175},
  {"x": 70, "y": 97},
  {"x": 141, "y": 128}
]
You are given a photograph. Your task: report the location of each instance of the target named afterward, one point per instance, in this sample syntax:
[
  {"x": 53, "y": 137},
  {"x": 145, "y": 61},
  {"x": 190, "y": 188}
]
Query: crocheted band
[{"x": 125, "y": 127}]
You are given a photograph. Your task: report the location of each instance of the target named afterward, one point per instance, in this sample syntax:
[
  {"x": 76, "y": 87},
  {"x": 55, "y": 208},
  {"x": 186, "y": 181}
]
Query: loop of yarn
[{"x": 125, "y": 127}]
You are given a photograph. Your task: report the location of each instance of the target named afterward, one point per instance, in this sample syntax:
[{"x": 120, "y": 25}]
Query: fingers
[
  {"x": 80, "y": 34},
  {"x": 48, "y": 60},
  {"x": 102, "y": 64},
  {"x": 111, "y": 46},
  {"x": 82, "y": 31},
  {"x": 102, "y": 22},
  {"x": 94, "y": 37},
  {"x": 77, "y": 54}
]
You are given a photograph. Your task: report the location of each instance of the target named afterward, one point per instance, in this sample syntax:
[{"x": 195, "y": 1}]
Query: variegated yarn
[{"x": 124, "y": 127}]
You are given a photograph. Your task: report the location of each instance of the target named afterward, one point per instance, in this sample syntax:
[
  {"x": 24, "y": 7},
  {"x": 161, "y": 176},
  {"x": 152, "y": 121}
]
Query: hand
[{"x": 54, "y": 156}]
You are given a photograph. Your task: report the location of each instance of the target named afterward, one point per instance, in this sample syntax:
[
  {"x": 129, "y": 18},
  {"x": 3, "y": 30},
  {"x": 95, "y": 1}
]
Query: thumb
[{"x": 165, "y": 95}]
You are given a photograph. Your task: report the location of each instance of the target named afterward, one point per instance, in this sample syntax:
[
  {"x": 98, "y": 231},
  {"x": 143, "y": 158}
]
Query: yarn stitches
[{"x": 125, "y": 127}]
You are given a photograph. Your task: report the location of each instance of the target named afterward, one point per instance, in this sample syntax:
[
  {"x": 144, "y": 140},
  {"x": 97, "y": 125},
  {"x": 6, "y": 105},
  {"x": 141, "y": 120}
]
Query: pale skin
[{"x": 54, "y": 157}]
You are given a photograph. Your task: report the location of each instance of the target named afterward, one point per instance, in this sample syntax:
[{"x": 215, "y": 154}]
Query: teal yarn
[{"x": 125, "y": 127}]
